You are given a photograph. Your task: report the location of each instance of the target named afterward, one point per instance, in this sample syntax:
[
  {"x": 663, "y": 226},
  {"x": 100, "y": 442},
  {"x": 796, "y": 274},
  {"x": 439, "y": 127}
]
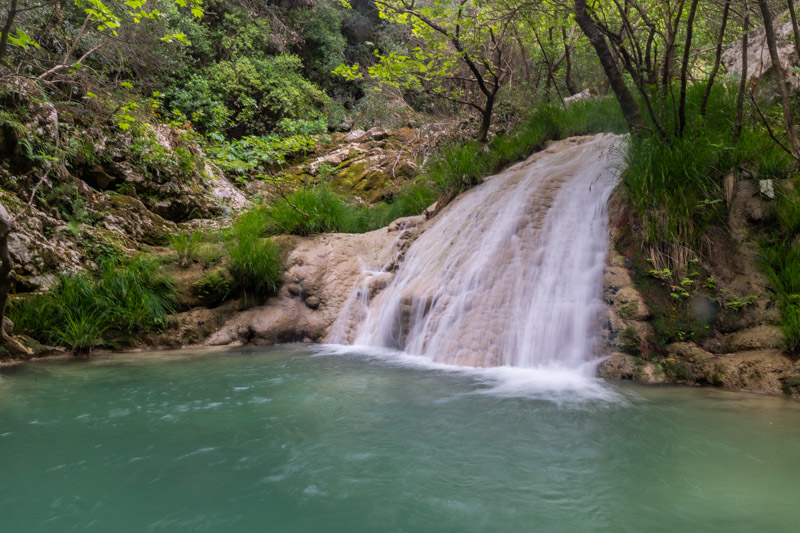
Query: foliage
[
  {"x": 256, "y": 263},
  {"x": 186, "y": 246},
  {"x": 213, "y": 288},
  {"x": 248, "y": 94},
  {"x": 256, "y": 154},
  {"x": 125, "y": 298}
]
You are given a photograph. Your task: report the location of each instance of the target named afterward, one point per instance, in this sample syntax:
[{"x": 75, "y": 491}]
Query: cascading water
[{"x": 511, "y": 273}]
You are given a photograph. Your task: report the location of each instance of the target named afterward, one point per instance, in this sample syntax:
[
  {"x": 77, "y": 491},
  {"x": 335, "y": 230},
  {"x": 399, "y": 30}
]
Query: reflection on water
[{"x": 293, "y": 439}]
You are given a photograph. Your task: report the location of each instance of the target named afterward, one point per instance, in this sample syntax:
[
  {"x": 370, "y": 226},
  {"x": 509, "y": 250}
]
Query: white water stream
[{"x": 511, "y": 273}]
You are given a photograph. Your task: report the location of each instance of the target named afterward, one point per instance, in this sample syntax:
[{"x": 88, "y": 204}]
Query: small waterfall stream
[{"x": 509, "y": 274}]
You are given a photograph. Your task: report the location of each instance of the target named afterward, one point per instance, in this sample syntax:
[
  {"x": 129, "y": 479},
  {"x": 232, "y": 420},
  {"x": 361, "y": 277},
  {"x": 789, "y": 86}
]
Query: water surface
[{"x": 295, "y": 439}]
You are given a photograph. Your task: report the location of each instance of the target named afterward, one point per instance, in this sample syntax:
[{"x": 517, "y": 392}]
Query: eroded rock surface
[{"x": 322, "y": 275}]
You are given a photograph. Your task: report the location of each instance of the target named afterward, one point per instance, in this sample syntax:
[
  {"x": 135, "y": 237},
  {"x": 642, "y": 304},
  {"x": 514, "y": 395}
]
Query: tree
[
  {"x": 626, "y": 101},
  {"x": 458, "y": 51},
  {"x": 780, "y": 77}
]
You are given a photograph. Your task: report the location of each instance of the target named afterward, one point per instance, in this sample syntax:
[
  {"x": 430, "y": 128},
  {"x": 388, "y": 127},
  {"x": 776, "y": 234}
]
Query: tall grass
[
  {"x": 256, "y": 262},
  {"x": 780, "y": 259},
  {"x": 82, "y": 312},
  {"x": 462, "y": 165},
  {"x": 319, "y": 209},
  {"x": 675, "y": 184},
  {"x": 186, "y": 246}
]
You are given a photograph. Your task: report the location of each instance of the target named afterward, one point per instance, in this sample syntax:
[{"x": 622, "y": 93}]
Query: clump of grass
[
  {"x": 319, "y": 209},
  {"x": 412, "y": 200},
  {"x": 213, "y": 288},
  {"x": 256, "y": 262},
  {"x": 314, "y": 210},
  {"x": 186, "y": 246},
  {"x": 675, "y": 184},
  {"x": 781, "y": 263},
  {"x": 81, "y": 329},
  {"x": 82, "y": 312}
]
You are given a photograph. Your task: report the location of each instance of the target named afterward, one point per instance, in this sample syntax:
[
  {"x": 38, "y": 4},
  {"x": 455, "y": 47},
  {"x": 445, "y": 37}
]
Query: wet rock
[
  {"x": 617, "y": 366},
  {"x": 402, "y": 224},
  {"x": 650, "y": 373},
  {"x": 688, "y": 352}
]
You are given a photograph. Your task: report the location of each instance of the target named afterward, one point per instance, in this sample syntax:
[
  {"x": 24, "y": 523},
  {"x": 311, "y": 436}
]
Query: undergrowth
[
  {"x": 676, "y": 184},
  {"x": 83, "y": 311},
  {"x": 460, "y": 166},
  {"x": 456, "y": 167},
  {"x": 780, "y": 259},
  {"x": 256, "y": 262}
]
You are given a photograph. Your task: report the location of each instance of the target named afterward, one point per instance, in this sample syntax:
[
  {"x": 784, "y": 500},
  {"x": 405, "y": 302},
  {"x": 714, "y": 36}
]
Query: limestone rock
[
  {"x": 757, "y": 338},
  {"x": 759, "y": 61},
  {"x": 629, "y": 304},
  {"x": 617, "y": 366},
  {"x": 689, "y": 351},
  {"x": 330, "y": 268},
  {"x": 312, "y": 302}
]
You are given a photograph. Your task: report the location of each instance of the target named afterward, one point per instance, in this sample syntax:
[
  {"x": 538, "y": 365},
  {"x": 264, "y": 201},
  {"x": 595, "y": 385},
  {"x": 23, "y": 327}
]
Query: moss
[
  {"x": 348, "y": 174},
  {"x": 791, "y": 386},
  {"x": 672, "y": 318},
  {"x": 676, "y": 369},
  {"x": 631, "y": 342},
  {"x": 628, "y": 311},
  {"x": 214, "y": 287}
]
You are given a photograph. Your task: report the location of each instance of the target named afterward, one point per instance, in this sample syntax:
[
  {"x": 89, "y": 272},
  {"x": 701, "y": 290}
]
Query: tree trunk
[
  {"x": 795, "y": 29},
  {"x": 486, "y": 118},
  {"x": 12, "y": 13},
  {"x": 687, "y": 48},
  {"x": 567, "y": 57},
  {"x": 717, "y": 58},
  {"x": 780, "y": 76},
  {"x": 630, "y": 109},
  {"x": 742, "y": 82}
]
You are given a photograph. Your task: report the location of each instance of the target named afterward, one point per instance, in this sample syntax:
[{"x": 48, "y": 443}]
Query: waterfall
[{"x": 509, "y": 274}]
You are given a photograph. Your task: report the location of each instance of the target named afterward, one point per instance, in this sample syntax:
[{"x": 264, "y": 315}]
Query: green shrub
[
  {"x": 248, "y": 94},
  {"x": 213, "y": 288}
]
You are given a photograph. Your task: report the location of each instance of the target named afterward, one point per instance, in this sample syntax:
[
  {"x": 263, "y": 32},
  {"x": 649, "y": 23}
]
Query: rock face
[
  {"x": 743, "y": 351},
  {"x": 110, "y": 193},
  {"x": 372, "y": 164},
  {"x": 759, "y": 62}
]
